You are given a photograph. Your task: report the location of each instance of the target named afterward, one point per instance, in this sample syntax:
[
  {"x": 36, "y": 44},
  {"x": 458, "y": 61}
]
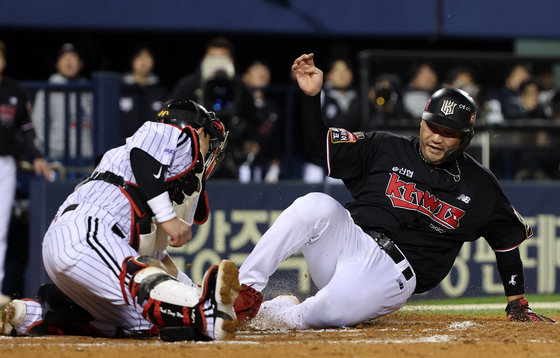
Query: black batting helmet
[
  {"x": 454, "y": 109},
  {"x": 184, "y": 112}
]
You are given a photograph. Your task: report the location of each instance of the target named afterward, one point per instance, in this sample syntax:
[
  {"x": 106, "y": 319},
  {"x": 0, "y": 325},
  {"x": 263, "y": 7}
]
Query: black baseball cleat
[{"x": 220, "y": 288}]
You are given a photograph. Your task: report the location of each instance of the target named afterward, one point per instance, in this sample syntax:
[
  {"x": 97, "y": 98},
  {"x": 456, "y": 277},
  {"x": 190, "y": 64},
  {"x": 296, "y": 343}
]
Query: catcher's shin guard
[
  {"x": 178, "y": 310},
  {"x": 165, "y": 301}
]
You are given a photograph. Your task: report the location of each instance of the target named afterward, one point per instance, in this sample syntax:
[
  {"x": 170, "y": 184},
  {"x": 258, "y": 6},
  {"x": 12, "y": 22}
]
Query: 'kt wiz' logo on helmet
[
  {"x": 448, "y": 107},
  {"x": 406, "y": 196}
]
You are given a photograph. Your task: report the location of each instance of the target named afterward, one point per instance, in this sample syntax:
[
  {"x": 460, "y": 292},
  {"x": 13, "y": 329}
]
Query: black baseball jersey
[
  {"x": 418, "y": 205},
  {"x": 14, "y": 118}
]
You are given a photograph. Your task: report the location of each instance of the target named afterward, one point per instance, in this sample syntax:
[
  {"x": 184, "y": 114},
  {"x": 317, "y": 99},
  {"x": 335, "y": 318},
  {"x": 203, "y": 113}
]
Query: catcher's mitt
[
  {"x": 247, "y": 303},
  {"x": 518, "y": 310}
]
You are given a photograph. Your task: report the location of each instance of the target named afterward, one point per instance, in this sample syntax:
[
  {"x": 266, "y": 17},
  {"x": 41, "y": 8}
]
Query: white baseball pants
[
  {"x": 357, "y": 280},
  {"x": 7, "y": 193},
  {"x": 84, "y": 257}
]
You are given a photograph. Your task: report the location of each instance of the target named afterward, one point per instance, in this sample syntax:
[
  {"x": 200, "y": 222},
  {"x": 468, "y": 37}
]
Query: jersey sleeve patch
[
  {"x": 167, "y": 154},
  {"x": 340, "y": 135},
  {"x": 528, "y": 229}
]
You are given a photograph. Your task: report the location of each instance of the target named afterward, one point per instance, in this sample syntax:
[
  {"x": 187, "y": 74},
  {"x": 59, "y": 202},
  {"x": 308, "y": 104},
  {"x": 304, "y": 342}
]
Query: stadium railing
[{"x": 105, "y": 88}]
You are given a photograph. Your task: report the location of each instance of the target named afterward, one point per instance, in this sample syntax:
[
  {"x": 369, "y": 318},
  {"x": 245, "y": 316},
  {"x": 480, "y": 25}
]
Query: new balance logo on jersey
[
  {"x": 512, "y": 280},
  {"x": 406, "y": 196},
  {"x": 465, "y": 199},
  {"x": 448, "y": 107}
]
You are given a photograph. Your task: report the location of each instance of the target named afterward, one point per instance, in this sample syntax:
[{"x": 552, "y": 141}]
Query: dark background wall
[
  {"x": 480, "y": 18},
  {"x": 107, "y": 31}
]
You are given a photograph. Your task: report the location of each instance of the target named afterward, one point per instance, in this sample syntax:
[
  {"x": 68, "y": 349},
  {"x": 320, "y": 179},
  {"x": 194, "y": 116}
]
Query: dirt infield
[{"x": 400, "y": 334}]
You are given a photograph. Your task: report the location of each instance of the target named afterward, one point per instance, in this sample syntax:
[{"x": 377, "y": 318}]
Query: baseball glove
[
  {"x": 518, "y": 310},
  {"x": 247, "y": 303}
]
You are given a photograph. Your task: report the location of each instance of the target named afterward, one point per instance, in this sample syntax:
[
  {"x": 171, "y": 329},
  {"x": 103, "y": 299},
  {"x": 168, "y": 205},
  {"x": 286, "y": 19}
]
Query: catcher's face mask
[
  {"x": 218, "y": 143},
  {"x": 187, "y": 113}
]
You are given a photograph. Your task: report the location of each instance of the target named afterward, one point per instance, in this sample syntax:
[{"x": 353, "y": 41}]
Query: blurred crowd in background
[{"x": 254, "y": 110}]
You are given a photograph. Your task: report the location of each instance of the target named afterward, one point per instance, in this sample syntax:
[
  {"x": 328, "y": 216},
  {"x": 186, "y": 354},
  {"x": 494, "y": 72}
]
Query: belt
[
  {"x": 141, "y": 212},
  {"x": 114, "y": 228},
  {"x": 108, "y": 177},
  {"x": 391, "y": 249}
]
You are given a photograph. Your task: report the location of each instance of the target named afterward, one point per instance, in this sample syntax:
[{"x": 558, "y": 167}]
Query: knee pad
[{"x": 133, "y": 265}]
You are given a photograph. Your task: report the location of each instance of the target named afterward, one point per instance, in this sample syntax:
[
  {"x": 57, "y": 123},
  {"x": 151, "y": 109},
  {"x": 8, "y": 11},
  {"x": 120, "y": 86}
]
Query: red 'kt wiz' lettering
[{"x": 406, "y": 196}]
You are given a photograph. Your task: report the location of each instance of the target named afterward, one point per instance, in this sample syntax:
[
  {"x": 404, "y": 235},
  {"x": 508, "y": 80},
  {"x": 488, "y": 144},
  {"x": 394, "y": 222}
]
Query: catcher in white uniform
[{"x": 105, "y": 249}]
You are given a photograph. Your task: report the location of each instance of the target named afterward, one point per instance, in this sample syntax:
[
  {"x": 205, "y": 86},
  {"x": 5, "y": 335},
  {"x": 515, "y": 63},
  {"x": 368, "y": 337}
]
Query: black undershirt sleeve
[
  {"x": 314, "y": 129},
  {"x": 510, "y": 268},
  {"x": 149, "y": 173},
  {"x": 29, "y": 137}
]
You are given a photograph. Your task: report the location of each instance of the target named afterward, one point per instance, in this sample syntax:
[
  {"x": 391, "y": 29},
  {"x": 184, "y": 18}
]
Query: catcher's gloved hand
[{"x": 518, "y": 310}]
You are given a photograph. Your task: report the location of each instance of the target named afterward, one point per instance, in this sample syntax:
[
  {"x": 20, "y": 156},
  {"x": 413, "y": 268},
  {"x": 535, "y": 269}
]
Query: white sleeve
[
  {"x": 167, "y": 144},
  {"x": 158, "y": 140}
]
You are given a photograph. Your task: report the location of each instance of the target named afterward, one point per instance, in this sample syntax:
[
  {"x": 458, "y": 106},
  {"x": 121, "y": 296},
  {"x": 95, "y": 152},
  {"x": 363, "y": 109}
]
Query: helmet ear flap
[
  {"x": 215, "y": 156},
  {"x": 454, "y": 153}
]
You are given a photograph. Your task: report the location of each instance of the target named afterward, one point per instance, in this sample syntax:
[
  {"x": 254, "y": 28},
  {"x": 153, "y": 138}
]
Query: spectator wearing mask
[{"x": 216, "y": 85}]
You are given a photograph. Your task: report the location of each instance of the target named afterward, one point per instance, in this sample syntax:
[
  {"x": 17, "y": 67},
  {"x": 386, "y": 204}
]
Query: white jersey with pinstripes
[
  {"x": 82, "y": 254},
  {"x": 166, "y": 143}
]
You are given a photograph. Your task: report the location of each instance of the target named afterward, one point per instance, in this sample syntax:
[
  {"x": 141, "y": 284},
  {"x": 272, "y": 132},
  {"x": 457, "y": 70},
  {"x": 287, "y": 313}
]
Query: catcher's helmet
[
  {"x": 454, "y": 109},
  {"x": 184, "y": 112}
]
